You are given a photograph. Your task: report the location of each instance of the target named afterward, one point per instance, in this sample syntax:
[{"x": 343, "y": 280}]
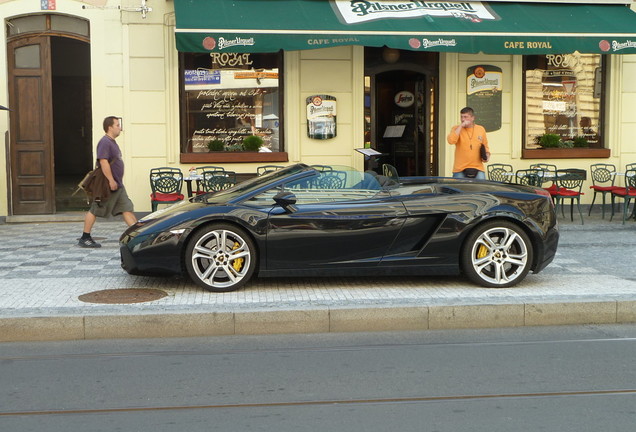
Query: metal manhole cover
[{"x": 123, "y": 296}]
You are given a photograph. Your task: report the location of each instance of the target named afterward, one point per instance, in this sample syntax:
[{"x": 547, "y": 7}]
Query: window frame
[
  {"x": 569, "y": 153},
  {"x": 231, "y": 157}
]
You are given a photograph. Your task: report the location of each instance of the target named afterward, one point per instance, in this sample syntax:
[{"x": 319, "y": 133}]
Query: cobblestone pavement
[{"x": 44, "y": 272}]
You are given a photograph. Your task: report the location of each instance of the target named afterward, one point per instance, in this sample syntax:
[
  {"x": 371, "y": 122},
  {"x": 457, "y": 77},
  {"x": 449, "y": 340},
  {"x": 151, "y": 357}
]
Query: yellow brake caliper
[
  {"x": 482, "y": 251},
  {"x": 238, "y": 263}
]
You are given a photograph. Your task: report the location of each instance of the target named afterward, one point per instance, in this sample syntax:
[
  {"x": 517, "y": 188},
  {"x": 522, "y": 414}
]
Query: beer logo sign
[
  {"x": 209, "y": 43},
  {"x": 404, "y": 99}
]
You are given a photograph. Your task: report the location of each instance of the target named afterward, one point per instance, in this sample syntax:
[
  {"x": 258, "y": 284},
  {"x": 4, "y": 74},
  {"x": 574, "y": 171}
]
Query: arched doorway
[
  {"x": 50, "y": 119},
  {"x": 401, "y": 89}
]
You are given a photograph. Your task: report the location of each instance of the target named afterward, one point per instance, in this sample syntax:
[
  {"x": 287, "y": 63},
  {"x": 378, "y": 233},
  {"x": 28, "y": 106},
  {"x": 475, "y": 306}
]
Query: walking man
[
  {"x": 109, "y": 158},
  {"x": 468, "y": 137}
]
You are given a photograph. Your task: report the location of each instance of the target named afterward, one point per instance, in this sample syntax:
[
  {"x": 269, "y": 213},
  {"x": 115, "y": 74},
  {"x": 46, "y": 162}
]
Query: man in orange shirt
[{"x": 468, "y": 138}]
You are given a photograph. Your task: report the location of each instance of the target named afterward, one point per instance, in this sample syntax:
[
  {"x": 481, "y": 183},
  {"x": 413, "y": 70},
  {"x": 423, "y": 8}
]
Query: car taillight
[{"x": 545, "y": 193}]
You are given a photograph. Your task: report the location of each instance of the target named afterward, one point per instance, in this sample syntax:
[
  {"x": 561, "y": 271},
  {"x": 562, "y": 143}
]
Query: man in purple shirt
[{"x": 109, "y": 158}]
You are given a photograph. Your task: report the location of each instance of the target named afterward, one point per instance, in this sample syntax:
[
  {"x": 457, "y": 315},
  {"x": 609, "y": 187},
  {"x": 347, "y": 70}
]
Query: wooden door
[{"x": 30, "y": 100}]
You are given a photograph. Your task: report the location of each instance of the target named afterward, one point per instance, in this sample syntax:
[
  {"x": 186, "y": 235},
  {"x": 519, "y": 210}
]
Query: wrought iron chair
[
  {"x": 214, "y": 181},
  {"x": 202, "y": 170},
  {"x": 331, "y": 180},
  {"x": 165, "y": 184},
  {"x": 503, "y": 173},
  {"x": 548, "y": 175},
  {"x": 626, "y": 193},
  {"x": 603, "y": 176},
  {"x": 264, "y": 169},
  {"x": 528, "y": 177},
  {"x": 569, "y": 184}
]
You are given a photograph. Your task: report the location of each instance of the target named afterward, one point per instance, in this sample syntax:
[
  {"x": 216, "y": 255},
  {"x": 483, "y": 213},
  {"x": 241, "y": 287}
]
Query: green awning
[{"x": 467, "y": 27}]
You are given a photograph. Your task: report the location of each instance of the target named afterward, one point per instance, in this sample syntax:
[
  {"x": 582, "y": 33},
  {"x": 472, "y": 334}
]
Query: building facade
[{"x": 312, "y": 99}]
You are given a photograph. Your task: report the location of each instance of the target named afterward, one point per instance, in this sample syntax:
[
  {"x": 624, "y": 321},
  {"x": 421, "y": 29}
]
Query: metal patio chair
[
  {"x": 499, "y": 172},
  {"x": 165, "y": 184},
  {"x": 603, "y": 177}
]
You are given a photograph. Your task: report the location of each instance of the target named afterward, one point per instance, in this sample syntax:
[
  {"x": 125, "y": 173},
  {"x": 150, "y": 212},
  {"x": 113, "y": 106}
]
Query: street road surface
[{"x": 509, "y": 380}]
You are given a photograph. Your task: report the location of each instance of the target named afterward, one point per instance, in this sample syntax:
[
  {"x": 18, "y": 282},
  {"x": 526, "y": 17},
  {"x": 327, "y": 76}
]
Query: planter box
[
  {"x": 233, "y": 157},
  {"x": 573, "y": 153}
]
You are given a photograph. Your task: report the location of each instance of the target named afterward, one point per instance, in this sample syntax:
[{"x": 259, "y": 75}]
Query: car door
[{"x": 333, "y": 235}]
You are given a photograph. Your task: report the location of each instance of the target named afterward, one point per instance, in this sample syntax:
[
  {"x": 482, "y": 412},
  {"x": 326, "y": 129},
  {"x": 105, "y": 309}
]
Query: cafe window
[
  {"x": 564, "y": 102},
  {"x": 229, "y": 101}
]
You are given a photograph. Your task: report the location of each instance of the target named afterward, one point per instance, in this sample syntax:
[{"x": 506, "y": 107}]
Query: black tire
[
  {"x": 497, "y": 254},
  {"x": 220, "y": 257}
]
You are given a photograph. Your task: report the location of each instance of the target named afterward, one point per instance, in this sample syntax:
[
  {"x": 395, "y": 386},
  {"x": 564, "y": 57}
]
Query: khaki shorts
[{"x": 117, "y": 204}]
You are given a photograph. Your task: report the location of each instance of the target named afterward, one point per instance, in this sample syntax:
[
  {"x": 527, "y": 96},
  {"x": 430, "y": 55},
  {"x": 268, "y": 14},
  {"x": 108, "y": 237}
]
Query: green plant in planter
[
  {"x": 567, "y": 144},
  {"x": 550, "y": 141},
  {"x": 216, "y": 145},
  {"x": 581, "y": 141},
  {"x": 235, "y": 147},
  {"x": 252, "y": 143}
]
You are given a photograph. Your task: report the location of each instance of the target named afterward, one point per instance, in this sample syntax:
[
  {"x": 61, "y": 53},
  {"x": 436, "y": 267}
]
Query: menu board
[
  {"x": 484, "y": 85},
  {"x": 229, "y": 105}
]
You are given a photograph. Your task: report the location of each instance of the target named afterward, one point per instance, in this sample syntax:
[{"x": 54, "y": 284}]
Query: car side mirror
[{"x": 286, "y": 200}]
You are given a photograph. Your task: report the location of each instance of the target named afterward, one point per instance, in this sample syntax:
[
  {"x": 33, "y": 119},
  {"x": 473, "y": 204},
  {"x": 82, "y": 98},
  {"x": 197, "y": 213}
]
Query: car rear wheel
[
  {"x": 221, "y": 258},
  {"x": 497, "y": 254}
]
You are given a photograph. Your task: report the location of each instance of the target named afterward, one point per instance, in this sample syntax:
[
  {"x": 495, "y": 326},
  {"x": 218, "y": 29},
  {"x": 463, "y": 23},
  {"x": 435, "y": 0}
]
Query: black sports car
[{"x": 324, "y": 221}]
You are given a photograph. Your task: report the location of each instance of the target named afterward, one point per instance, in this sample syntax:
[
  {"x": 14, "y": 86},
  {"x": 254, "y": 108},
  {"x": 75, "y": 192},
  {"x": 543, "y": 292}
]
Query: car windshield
[
  {"x": 255, "y": 183},
  {"x": 326, "y": 184},
  {"x": 314, "y": 183}
]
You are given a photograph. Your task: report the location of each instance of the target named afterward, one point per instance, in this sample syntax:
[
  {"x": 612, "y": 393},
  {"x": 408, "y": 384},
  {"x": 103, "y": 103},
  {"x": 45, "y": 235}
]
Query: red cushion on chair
[
  {"x": 158, "y": 196},
  {"x": 551, "y": 188},
  {"x": 603, "y": 188},
  {"x": 568, "y": 193},
  {"x": 623, "y": 191}
]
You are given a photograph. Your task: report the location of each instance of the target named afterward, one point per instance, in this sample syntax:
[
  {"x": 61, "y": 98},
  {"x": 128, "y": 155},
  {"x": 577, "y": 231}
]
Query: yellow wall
[
  {"x": 338, "y": 72},
  {"x": 135, "y": 75},
  {"x": 106, "y": 55}
]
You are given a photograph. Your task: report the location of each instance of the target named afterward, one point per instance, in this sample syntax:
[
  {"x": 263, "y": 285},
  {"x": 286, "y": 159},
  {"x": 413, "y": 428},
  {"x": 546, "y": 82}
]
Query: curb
[{"x": 313, "y": 320}]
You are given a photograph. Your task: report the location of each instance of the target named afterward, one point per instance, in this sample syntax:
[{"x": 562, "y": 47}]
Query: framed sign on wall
[
  {"x": 484, "y": 84},
  {"x": 321, "y": 117}
]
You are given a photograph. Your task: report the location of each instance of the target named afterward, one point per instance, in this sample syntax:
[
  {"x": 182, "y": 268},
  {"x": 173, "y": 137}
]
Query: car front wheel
[
  {"x": 497, "y": 254},
  {"x": 221, "y": 258}
]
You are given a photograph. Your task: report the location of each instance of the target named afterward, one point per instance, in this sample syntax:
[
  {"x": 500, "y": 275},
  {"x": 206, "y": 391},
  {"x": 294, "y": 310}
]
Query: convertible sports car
[{"x": 324, "y": 221}]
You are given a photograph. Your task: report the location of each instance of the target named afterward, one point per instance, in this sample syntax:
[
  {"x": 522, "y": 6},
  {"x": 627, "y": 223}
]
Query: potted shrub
[
  {"x": 581, "y": 141},
  {"x": 252, "y": 143},
  {"x": 216, "y": 145},
  {"x": 550, "y": 141}
]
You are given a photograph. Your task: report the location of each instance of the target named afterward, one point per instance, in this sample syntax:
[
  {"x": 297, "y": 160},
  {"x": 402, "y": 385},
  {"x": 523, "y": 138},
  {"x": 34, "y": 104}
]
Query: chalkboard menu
[
  {"x": 483, "y": 94},
  {"x": 230, "y": 105}
]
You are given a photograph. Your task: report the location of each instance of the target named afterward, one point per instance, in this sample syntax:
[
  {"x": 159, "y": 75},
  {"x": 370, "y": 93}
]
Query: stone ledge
[{"x": 313, "y": 320}]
